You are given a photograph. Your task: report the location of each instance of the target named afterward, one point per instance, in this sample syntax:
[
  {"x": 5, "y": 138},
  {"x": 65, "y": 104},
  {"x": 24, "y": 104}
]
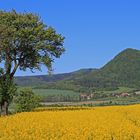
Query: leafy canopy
[{"x": 26, "y": 42}]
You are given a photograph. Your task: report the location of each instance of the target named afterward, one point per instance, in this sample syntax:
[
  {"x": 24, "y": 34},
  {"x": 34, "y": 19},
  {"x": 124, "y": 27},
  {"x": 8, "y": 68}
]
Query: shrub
[{"x": 26, "y": 100}]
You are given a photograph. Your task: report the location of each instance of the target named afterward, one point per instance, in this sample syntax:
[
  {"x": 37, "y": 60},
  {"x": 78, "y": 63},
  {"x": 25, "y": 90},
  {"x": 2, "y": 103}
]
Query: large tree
[{"x": 25, "y": 43}]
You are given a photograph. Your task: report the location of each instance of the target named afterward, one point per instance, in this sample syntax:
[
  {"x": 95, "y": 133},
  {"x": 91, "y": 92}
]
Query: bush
[{"x": 26, "y": 100}]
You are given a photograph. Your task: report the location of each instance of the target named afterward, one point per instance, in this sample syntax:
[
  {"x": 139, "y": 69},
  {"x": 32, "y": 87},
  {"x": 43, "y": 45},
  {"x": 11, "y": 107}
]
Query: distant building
[
  {"x": 137, "y": 92},
  {"x": 122, "y": 95},
  {"x": 86, "y": 96},
  {"x": 125, "y": 94}
]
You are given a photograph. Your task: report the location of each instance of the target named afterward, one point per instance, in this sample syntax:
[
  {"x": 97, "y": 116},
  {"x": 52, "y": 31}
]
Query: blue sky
[{"x": 95, "y": 30}]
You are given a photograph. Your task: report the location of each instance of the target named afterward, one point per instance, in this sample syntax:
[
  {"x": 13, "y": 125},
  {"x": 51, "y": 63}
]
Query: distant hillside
[
  {"x": 123, "y": 70},
  {"x": 44, "y": 79}
]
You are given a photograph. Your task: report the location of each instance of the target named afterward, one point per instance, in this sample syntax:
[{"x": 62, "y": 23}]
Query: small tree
[
  {"x": 25, "y": 43},
  {"x": 26, "y": 100}
]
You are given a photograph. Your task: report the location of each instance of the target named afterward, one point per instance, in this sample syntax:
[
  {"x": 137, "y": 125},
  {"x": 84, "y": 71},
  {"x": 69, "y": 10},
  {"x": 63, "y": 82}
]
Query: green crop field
[
  {"x": 119, "y": 90},
  {"x": 57, "y": 95},
  {"x": 54, "y": 92}
]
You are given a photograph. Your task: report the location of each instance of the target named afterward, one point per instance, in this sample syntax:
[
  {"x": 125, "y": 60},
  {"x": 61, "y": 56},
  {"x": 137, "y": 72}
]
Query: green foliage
[
  {"x": 27, "y": 42},
  {"x": 7, "y": 89},
  {"x": 26, "y": 100}
]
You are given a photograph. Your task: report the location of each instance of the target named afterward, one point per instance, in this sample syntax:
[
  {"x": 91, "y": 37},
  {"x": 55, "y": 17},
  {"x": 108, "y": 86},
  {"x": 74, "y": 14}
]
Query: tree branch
[
  {"x": 14, "y": 70},
  {"x": 16, "y": 65}
]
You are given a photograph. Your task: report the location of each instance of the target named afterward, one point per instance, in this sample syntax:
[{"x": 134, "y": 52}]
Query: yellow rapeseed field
[{"x": 99, "y": 123}]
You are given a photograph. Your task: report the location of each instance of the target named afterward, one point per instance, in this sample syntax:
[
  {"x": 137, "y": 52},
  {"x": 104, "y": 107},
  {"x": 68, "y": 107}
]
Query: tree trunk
[{"x": 4, "y": 108}]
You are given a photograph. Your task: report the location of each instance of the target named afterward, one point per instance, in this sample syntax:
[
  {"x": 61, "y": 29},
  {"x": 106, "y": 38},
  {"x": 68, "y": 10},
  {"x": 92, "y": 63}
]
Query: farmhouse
[
  {"x": 137, "y": 92},
  {"x": 86, "y": 96},
  {"x": 122, "y": 95}
]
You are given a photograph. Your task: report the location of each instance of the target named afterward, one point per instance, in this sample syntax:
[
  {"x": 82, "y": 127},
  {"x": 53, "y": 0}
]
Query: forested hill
[
  {"x": 44, "y": 79},
  {"x": 123, "y": 70}
]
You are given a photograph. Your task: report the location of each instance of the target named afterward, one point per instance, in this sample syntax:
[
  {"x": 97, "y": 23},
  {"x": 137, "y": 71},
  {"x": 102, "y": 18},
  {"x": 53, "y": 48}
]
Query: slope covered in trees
[
  {"x": 122, "y": 70},
  {"x": 43, "y": 79}
]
